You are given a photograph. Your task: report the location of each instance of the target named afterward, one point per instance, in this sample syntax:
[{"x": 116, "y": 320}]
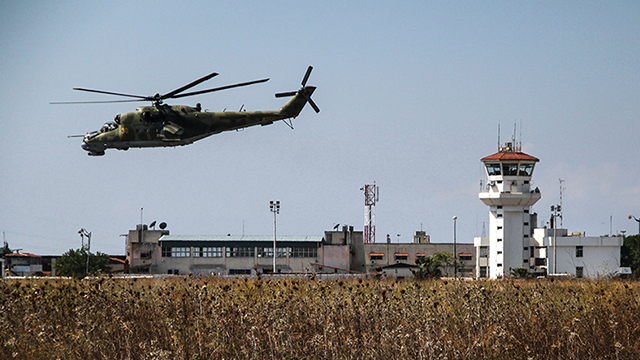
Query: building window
[
  {"x": 401, "y": 257},
  {"x": 173, "y": 272},
  {"x": 168, "y": 251},
  {"x": 373, "y": 256},
  {"x": 579, "y": 251},
  {"x": 510, "y": 169},
  {"x": 267, "y": 252},
  {"x": 493, "y": 169},
  {"x": 239, "y": 271},
  {"x": 579, "y": 272},
  {"x": 304, "y": 252},
  {"x": 207, "y": 252},
  {"x": 465, "y": 257},
  {"x": 498, "y": 215},
  {"x": 241, "y": 252},
  {"x": 484, "y": 251},
  {"x": 499, "y": 240},
  {"x": 526, "y": 169},
  {"x": 499, "y": 252},
  {"x": 499, "y": 265},
  {"x": 540, "y": 262}
]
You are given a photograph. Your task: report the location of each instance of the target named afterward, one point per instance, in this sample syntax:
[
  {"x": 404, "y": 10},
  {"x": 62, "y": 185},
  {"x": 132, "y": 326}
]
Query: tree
[
  {"x": 5, "y": 249},
  {"x": 520, "y": 273},
  {"x": 630, "y": 254},
  {"x": 74, "y": 263},
  {"x": 428, "y": 268},
  {"x": 447, "y": 262}
]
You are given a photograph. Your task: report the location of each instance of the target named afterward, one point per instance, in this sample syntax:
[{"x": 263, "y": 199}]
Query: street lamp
[
  {"x": 455, "y": 250},
  {"x": 556, "y": 212},
  {"x": 636, "y": 219},
  {"x": 637, "y": 240},
  {"x": 84, "y": 233},
  {"x": 275, "y": 209}
]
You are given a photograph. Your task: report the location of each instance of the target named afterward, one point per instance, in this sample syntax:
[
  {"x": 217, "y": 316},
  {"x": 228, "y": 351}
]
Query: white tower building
[{"x": 509, "y": 197}]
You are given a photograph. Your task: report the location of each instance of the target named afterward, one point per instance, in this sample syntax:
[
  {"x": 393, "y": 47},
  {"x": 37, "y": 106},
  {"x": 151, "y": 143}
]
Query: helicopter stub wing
[{"x": 172, "y": 131}]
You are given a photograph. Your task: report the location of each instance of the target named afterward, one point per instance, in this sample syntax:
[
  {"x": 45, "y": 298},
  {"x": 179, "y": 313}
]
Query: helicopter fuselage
[{"x": 164, "y": 125}]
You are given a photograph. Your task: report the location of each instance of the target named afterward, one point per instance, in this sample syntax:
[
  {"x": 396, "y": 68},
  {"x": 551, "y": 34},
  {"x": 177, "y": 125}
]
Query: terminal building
[{"x": 337, "y": 252}]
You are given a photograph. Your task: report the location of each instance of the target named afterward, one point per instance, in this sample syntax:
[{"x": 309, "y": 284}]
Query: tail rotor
[{"x": 304, "y": 92}]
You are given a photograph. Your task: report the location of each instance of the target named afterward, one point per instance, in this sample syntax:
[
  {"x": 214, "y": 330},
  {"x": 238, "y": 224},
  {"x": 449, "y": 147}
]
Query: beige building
[
  {"x": 338, "y": 252},
  {"x": 385, "y": 257}
]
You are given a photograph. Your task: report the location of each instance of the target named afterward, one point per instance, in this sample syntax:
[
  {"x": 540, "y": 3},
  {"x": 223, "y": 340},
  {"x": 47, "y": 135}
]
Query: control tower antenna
[{"x": 371, "y": 197}]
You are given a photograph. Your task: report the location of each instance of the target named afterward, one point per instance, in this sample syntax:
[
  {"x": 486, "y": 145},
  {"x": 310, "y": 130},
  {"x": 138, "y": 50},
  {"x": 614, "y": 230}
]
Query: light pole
[
  {"x": 455, "y": 250},
  {"x": 557, "y": 212},
  {"x": 275, "y": 209},
  {"x": 638, "y": 239},
  {"x": 84, "y": 233}
]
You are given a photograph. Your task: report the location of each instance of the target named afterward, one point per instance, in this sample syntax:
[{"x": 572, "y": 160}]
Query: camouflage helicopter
[{"x": 161, "y": 125}]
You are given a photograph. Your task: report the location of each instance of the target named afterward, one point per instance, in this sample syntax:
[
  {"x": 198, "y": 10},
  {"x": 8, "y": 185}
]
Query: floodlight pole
[
  {"x": 275, "y": 209},
  {"x": 556, "y": 210},
  {"x": 455, "y": 250},
  {"x": 638, "y": 240},
  {"x": 84, "y": 233}
]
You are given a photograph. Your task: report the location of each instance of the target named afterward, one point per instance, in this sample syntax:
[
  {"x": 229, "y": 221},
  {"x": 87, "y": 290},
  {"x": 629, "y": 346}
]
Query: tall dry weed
[{"x": 210, "y": 318}]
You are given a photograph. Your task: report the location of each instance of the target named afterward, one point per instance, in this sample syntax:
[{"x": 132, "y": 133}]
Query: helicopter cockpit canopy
[{"x": 109, "y": 126}]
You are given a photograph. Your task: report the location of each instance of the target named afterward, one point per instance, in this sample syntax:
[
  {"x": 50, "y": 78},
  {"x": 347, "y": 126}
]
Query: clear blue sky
[{"x": 411, "y": 94}]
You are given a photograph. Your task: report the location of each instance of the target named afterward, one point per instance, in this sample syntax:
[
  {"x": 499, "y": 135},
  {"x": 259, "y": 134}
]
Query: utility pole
[{"x": 275, "y": 209}]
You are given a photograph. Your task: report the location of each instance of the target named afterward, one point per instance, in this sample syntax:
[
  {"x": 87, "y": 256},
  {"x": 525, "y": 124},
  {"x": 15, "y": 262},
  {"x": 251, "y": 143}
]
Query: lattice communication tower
[{"x": 371, "y": 197}]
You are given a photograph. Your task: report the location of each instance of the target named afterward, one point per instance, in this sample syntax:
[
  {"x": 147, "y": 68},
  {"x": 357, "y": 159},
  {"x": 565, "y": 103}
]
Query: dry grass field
[{"x": 188, "y": 318}]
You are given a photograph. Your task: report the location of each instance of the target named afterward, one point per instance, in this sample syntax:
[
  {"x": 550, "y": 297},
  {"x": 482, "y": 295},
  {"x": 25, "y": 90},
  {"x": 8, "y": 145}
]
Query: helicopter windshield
[{"x": 108, "y": 127}]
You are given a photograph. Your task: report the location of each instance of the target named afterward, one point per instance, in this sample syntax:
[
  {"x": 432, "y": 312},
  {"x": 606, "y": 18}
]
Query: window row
[
  {"x": 239, "y": 251},
  {"x": 509, "y": 169}
]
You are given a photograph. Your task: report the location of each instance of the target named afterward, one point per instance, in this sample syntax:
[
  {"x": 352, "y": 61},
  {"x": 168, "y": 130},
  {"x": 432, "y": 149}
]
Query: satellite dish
[
  {"x": 163, "y": 225},
  {"x": 153, "y": 224}
]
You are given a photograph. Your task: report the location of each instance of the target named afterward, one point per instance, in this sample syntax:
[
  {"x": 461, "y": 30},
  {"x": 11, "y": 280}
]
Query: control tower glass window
[
  {"x": 510, "y": 169},
  {"x": 493, "y": 169},
  {"x": 526, "y": 169}
]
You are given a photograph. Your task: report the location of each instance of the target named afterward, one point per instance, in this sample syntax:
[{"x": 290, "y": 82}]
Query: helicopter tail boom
[{"x": 294, "y": 106}]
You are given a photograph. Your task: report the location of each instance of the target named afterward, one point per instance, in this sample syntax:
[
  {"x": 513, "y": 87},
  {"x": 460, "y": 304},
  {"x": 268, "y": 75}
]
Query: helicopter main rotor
[{"x": 157, "y": 99}]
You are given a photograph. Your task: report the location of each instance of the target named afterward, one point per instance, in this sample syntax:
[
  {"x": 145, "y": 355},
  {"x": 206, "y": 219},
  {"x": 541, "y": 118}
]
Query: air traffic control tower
[{"x": 509, "y": 196}]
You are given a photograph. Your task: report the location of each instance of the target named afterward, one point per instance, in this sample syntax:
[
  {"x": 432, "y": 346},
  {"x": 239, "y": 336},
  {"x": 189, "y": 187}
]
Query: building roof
[
  {"x": 510, "y": 155},
  {"x": 23, "y": 255}
]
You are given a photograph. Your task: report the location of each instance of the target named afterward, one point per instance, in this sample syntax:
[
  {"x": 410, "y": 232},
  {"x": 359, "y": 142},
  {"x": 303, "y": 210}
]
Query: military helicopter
[{"x": 161, "y": 125}]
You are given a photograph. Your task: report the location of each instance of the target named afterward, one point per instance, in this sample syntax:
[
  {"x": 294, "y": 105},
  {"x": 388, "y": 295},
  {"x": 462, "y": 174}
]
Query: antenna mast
[
  {"x": 371, "y": 197},
  {"x": 561, "y": 189}
]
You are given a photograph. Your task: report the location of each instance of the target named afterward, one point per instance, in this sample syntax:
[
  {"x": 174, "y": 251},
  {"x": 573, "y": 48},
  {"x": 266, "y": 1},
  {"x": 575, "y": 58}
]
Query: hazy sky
[{"x": 411, "y": 96}]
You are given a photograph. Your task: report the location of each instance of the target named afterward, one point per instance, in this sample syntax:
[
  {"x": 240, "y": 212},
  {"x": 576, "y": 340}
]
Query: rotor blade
[
  {"x": 286, "y": 94},
  {"x": 306, "y": 76},
  {"x": 188, "y": 86},
  {"x": 111, "y": 93},
  {"x": 218, "y": 88},
  {"x": 93, "y": 102},
  {"x": 313, "y": 105}
]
